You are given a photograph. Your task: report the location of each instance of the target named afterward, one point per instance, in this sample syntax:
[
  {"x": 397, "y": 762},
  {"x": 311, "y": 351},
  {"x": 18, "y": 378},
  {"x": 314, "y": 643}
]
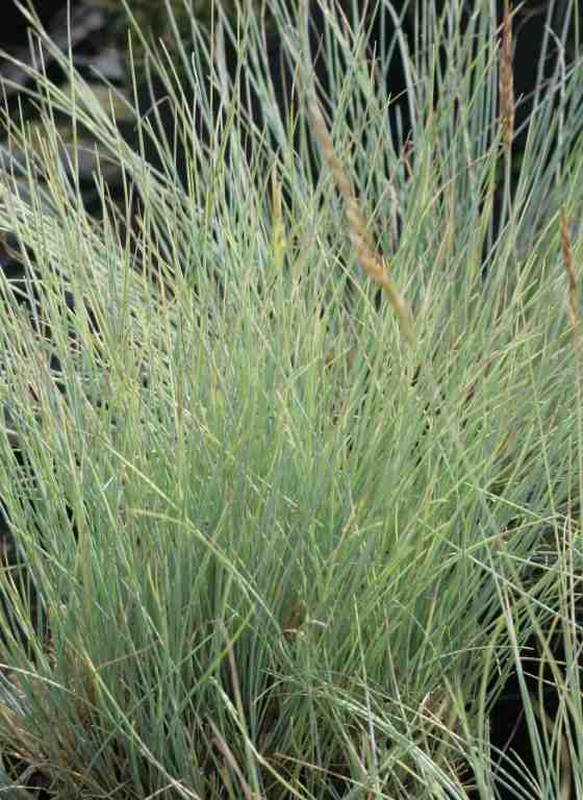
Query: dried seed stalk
[
  {"x": 370, "y": 261},
  {"x": 507, "y": 104},
  {"x": 573, "y": 304}
]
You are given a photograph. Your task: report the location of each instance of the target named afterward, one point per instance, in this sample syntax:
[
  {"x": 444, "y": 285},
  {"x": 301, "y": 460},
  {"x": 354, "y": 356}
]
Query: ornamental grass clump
[{"x": 286, "y": 541}]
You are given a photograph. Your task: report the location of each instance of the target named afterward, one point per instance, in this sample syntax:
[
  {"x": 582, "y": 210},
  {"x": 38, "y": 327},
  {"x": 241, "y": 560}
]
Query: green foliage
[{"x": 283, "y": 552}]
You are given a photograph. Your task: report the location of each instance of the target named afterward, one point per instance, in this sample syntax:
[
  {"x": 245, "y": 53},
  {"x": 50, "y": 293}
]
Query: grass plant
[{"x": 289, "y": 544}]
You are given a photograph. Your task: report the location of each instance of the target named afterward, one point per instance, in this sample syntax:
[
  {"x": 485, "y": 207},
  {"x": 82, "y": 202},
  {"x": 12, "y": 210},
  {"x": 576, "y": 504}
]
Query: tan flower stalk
[
  {"x": 573, "y": 278},
  {"x": 507, "y": 104},
  {"x": 371, "y": 262}
]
